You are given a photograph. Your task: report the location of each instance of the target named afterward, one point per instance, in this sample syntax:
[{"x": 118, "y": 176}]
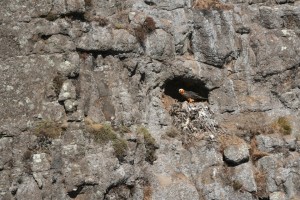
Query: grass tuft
[
  {"x": 172, "y": 132},
  {"x": 150, "y": 144},
  {"x": 284, "y": 126},
  {"x": 104, "y": 134},
  {"x": 47, "y": 128},
  {"x": 120, "y": 147}
]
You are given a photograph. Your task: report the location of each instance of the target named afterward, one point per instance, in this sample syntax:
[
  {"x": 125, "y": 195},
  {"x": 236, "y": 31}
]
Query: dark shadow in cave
[{"x": 172, "y": 86}]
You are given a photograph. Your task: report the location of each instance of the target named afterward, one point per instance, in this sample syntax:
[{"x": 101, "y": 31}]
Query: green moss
[
  {"x": 48, "y": 128},
  {"x": 284, "y": 126}
]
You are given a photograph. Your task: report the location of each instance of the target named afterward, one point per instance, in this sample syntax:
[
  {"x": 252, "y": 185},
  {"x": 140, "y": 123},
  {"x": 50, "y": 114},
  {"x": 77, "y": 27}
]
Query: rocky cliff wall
[{"x": 90, "y": 106}]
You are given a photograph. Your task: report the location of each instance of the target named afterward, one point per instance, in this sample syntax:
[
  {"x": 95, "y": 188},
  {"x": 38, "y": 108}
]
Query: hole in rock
[{"x": 172, "y": 86}]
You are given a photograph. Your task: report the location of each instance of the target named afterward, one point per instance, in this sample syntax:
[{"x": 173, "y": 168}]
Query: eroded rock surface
[{"x": 90, "y": 108}]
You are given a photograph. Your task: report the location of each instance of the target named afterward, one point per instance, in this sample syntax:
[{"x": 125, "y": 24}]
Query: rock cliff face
[{"x": 90, "y": 107}]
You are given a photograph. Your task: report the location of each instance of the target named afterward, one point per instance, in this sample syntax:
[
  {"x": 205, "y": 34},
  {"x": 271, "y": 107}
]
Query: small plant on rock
[
  {"x": 102, "y": 21},
  {"x": 140, "y": 34},
  {"x": 104, "y": 133},
  {"x": 149, "y": 24},
  {"x": 120, "y": 147},
  {"x": 48, "y": 129},
  {"x": 172, "y": 132},
  {"x": 123, "y": 129},
  {"x": 150, "y": 144},
  {"x": 283, "y": 126},
  {"x": 57, "y": 83},
  {"x": 237, "y": 185}
]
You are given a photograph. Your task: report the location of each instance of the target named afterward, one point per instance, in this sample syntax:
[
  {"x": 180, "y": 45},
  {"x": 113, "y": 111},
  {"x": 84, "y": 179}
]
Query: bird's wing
[{"x": 194, "y": 95}]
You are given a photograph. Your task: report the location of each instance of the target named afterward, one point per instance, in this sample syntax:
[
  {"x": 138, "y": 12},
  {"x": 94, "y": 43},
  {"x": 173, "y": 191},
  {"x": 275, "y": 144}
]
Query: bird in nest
[{"x": 191, "y": 96}]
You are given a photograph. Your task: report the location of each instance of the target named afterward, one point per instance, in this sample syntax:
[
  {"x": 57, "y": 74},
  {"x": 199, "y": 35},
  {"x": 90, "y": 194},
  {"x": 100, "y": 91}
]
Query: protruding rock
[
  {"x": 68, "y": 91},
  {"x": 269, "y": 143},
  {"x": 70, "y": 67},
  {"x": 70, "y": 105},
  {"x": 40, "y": 163},
  {"x": 277, "y": 196},
  {"x": 245, "y": 176},
  {"x": 236, "y": 154}
]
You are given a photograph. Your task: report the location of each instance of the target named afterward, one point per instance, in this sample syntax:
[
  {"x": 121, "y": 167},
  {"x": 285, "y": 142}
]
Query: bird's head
[{"x": 181, "y": 91}]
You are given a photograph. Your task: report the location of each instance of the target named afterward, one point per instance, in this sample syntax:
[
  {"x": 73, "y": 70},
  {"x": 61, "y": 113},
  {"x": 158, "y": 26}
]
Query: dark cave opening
[{"x": 172, "y": 86}]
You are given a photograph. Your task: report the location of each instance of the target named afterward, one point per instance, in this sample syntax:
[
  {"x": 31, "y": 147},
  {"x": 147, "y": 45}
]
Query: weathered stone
[
  {"x": 277, "y": 196},
  {"x": 68, "y": 91},
  {"x": 102, "y": 39},
  {"x": 70, "y": 105},
  {"x": 236, "y": 154},
  {"x": 160, "y": 45},
  {"x": 269, "y": 143},
  {"x": 75, "y": 5},
  {"x": 245, "y": 176},
  {"x": 40, "y": 163},
  {"x": 28, "y": 190},
  {"x": 62, "y": 61}
]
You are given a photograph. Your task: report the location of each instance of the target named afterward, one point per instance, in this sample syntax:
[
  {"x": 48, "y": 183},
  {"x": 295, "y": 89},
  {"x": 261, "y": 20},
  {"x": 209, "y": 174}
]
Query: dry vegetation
[
  {"x": 48, "y": 129},
  {"x": 148, "y": 27},
  {"x": 226, "y": 140},
  {"x": 211, "y": 5},
  {"x": 57, "y": 83},
  {"x": 149, "y": 24},
  {"x": 261, "y": 183},
  {"x": 147, "y": 192},
  {"x": 256, "y": 154},
  {"x": 150, "y": 144},
  {"x": 172, "y": 132},
  {"x": 279, "y": 126},
  {"x": 103, "y": 133},
  {"x": 282, "y": 126}
]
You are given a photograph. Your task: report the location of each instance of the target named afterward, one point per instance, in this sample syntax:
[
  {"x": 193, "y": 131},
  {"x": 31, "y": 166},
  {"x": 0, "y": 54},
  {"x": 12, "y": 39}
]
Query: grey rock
[
  {"x": 236, "y": 154},
  {"x": 160, "y": 45},
  {"x": 244, "y": 57},
  {"x": 68, "y": 91},
  {"x": 40, "y": 163},
  {"x": 245, "y": 176},
  {"x": 70, "y": 105},
  {"x": 54, "y": 44},
  {"x": 75, "y": 6},
  {"x": 269, "y": 143},
  {"x": 102, "y": 39},
  {"x": 70, "y": 67},
  {"x": 290, "y": 142},
  {"x": 28, "y": 190},
  {"x": 277, "y": 196}
]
